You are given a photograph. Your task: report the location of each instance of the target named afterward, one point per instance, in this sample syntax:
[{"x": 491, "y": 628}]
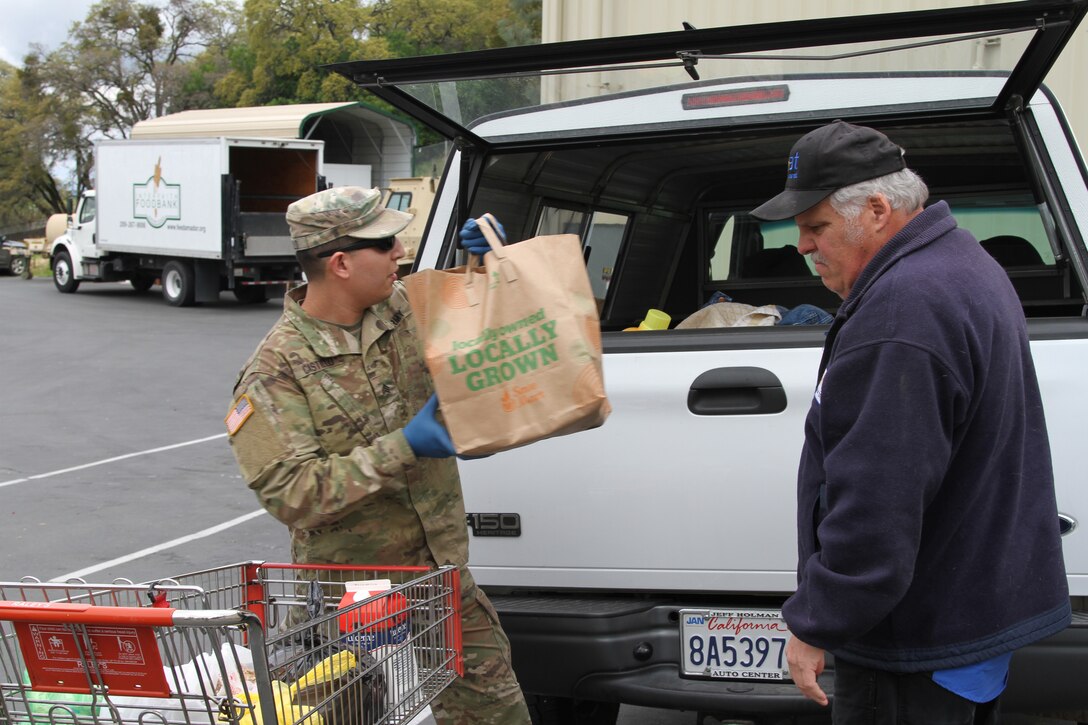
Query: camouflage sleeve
[{"x": 282, "y": 459}]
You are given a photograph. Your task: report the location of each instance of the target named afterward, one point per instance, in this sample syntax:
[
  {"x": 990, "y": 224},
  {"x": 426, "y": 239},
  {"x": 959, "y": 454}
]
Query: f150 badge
[{"x": 494, "y": 524}]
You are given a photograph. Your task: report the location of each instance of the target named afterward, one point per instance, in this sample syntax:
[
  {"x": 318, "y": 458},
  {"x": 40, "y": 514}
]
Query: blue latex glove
[
  {"x": 472, "y": 239},
  {"x": 427, "y": 437}
]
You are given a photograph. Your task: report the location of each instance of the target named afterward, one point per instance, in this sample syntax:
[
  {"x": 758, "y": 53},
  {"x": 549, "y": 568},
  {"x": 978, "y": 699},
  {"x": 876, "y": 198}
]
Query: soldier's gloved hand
[
  {"x": 472, "y": 239},
  {"x": 427, "y": 437}
]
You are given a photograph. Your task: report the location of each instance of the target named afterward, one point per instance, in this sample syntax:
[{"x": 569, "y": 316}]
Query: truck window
[
  {"x": 667, "y": 229},
  {"x": 400, "y": 200},
  {"x": 601, "y": 233},
  {"x": 743, "y": 248},
  {"x": 87, "y": 210},
  {"x": 758, "y": 262},
  {"x": 721, "y": 228},
  {"x": 1014, "y": 235}
]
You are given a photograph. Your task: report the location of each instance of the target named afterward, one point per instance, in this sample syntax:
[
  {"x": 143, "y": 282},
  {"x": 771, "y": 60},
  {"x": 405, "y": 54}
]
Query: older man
[
  {"x": 927, "y": 525},
  {"x": 334, "y": 428}
]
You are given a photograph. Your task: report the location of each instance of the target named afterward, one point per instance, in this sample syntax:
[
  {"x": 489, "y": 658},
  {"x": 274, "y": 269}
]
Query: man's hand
[
  {"x": 427, "y": 437},
  {"x": 473, "y": 240},
  {"x": 806, "y": 663}
]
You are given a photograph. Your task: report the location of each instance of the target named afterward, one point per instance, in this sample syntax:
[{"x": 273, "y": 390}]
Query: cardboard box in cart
[{"x": 202, "y": 215}]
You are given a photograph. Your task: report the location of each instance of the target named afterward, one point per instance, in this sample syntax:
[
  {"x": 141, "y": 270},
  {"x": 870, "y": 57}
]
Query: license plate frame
[{"x": 734, "y": 644}]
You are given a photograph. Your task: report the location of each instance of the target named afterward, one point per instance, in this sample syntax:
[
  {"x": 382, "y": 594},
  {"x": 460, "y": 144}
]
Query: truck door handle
[{"x": 736, "y": 391}]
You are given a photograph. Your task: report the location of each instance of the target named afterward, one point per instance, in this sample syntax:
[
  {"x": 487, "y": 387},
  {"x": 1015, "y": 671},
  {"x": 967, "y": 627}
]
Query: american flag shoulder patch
[{"x": 239, "y": 414}]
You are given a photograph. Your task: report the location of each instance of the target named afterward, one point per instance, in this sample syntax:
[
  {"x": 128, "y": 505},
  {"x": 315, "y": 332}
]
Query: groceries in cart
[
  {"x": 246, "y": 644},
  {"x": 342, "y": 685},
  {"x": 380, "y": 626}
]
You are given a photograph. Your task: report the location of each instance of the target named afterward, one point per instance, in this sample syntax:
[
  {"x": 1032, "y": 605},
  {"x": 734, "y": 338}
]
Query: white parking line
[
  {"x": 160, "y": 547},
  {"x": 111, "y": 460}
]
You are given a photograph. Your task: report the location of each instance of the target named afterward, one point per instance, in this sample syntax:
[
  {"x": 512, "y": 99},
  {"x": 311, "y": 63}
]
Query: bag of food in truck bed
[{"x": 514, "y": 346}]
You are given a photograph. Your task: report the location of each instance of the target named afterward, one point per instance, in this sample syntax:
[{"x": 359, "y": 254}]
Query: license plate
[{"x": 742, "y": 644}]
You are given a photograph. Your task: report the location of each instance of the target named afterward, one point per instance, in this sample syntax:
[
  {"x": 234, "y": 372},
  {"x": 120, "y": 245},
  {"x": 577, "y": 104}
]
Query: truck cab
[
  {"x": 414, "y": 195},
  {"x": 67, "y": 252}
]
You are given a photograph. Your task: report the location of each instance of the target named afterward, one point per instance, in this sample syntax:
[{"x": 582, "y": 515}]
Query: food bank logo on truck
[{"x": 156, "y": 201}]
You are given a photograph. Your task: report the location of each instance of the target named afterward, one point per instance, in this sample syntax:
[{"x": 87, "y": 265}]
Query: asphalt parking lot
[
  {"x": 113, "y": 438},
  {"x": 113, "y": 455}
]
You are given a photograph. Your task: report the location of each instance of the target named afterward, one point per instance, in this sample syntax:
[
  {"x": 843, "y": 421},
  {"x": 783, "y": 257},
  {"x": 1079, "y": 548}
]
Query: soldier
[{"x": 334, "y": 429}]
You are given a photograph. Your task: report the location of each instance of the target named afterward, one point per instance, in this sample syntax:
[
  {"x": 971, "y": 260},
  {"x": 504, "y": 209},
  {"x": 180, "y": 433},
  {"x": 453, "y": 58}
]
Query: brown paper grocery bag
[{"x": 514, "y": 346}]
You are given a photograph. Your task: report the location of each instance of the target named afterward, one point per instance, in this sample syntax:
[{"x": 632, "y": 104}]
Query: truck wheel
[
  {"x": 64, "y": 277},
  {"x": 251, "y": 294},
  {"x": 178, "y": 284},
  {"x": 19, "y": 266},
  {"x": 142, "y": 283}
]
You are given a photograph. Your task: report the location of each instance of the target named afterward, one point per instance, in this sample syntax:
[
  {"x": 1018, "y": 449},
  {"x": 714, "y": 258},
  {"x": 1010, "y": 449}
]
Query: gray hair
[{"x": 904, "y": 190}]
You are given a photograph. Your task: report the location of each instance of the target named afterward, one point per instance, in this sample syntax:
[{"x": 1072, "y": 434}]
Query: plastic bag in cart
[
  {"x": 45, "y": 707},
  {"x": 196, "y": 679}
]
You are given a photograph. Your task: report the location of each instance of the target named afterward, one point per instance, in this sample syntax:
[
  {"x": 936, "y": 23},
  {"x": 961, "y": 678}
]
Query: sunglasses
[{"x": 385, "y": 244}]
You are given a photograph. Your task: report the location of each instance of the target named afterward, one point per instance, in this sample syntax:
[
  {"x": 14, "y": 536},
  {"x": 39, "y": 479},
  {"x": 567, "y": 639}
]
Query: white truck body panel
[
  {"x": 165, "y": 196},
  {"x": 161, "y": 197}
]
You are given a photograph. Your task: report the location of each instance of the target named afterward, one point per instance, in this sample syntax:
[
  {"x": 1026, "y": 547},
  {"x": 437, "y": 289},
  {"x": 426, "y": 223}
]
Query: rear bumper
[
  {"x": 614, "y": 649},
  {"x": 660, "y": 686}
]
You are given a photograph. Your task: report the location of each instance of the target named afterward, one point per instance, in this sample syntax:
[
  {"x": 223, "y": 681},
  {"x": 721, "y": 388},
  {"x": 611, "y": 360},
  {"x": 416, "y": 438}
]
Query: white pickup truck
[{"x": 604, "y": 549}]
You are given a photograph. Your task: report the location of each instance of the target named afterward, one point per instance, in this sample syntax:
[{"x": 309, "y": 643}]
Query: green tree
[
  {"x": 429, "y": 27},
  {"x": 129, "y": 60},
  {"x": 37, "y": 136},
  {"x": 285, "y": 43},
  {"x": 521, "y": 26}
]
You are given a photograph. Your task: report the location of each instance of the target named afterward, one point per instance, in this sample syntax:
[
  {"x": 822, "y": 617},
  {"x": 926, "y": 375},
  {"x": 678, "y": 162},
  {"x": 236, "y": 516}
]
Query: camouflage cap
[{"x": 343, "y": 211}]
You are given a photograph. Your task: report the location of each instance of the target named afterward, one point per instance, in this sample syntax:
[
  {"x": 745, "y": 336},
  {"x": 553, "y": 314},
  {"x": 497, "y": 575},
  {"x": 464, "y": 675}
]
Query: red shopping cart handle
[{"x": 66, "y": 613}]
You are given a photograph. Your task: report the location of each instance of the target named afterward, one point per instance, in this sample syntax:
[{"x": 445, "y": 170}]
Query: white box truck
[{"x": 199, "y": 215}]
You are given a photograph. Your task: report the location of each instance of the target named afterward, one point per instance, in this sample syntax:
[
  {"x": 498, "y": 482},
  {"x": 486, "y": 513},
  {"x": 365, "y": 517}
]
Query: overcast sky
[{"x": 23, "y": 22}]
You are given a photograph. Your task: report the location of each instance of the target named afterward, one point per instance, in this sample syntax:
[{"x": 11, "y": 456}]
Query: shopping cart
[{"x": 245, "y": 644}]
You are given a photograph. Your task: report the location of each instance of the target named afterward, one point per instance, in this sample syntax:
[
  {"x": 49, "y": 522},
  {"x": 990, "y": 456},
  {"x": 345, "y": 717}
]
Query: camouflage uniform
[{"x": 321, "y": 443}]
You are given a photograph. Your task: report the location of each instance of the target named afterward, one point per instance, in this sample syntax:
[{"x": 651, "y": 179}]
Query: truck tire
[
  {"x": 64, "y": 276},
  {"x": 20, "y": 266},
  {"x": 142, "y": 282},
  {"x": 178, "y": 283},
  {"x": 251, "y": 294}
]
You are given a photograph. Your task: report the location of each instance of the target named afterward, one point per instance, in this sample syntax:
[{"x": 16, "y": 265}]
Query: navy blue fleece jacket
[{"x": 928, "y": 530}]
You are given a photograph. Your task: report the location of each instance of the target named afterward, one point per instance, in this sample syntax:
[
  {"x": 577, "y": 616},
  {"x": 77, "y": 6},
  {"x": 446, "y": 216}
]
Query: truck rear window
[{"x": 665, "y": 223}]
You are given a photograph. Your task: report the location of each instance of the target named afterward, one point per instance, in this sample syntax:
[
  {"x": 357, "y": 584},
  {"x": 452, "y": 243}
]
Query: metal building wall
[{"x": 582, "y": 19}]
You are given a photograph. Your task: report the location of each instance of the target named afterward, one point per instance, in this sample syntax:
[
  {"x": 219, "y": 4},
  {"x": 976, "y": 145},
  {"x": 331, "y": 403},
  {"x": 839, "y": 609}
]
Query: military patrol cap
[{"x": 342, "y": 211}]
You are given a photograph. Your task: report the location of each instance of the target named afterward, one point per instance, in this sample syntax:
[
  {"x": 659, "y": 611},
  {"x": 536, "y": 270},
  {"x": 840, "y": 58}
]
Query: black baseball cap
[{"x": 827, "y": 159}]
